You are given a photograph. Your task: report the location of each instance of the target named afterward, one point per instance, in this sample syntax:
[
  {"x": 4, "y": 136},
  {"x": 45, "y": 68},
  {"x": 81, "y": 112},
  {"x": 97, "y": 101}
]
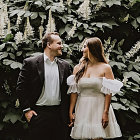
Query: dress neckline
[{"x": 93, "y": 77}]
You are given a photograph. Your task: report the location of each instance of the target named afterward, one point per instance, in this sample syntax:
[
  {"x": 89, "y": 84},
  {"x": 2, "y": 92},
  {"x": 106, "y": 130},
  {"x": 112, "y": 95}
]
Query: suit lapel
[
  {"x": 61, "y": 70},
  {"x": 40, "y": 67}
]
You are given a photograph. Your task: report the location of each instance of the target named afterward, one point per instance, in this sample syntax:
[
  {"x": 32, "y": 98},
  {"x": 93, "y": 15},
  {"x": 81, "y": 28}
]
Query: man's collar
[{"x": 47, "y": 58}]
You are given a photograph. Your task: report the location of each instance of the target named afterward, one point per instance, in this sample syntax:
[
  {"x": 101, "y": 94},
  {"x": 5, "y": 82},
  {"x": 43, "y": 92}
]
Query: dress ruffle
[
  {"x": 111, "y": 86},
  {"x": 83, "y": 131},
  {"x": 73, "y": 86}
]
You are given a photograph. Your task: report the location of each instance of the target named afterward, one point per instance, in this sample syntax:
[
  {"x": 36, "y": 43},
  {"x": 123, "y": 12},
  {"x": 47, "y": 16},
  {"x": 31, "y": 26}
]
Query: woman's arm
[
  {"x": 73, "y": 99},
  {"x": 108, "y": 75}
]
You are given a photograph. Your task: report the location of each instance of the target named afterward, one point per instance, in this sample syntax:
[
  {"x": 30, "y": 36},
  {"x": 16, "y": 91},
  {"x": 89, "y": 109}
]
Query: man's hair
[{"x": 47, "y": 38}]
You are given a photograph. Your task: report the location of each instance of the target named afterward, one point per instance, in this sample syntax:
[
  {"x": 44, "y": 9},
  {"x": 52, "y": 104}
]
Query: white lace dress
[{"x": 90, "y": 106}]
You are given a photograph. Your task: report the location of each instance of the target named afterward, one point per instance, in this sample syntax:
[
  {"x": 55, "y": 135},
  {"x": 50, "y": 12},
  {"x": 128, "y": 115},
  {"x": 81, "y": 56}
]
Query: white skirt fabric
[
  {"x": 90, "y": 107},
  {"x": 88, "y": 119}
]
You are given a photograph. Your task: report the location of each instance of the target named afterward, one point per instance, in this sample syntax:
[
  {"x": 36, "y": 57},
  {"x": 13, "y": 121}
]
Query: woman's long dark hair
[{"x": 96, "y": 50}]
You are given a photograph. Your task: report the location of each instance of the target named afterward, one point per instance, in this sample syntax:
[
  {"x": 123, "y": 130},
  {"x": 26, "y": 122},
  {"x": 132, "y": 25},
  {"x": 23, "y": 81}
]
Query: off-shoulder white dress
[{"x": 90, "y": 106}]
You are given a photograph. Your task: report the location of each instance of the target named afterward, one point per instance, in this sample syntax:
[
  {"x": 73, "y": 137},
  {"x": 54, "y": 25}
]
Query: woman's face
[{"x": 85, "y": 50}]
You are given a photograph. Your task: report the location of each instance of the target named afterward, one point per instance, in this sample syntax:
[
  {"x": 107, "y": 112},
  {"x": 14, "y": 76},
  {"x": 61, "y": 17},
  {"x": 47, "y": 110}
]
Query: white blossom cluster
[
  {"x": 41, "y": 29},
  {"x": 18, "y": 37},
  {"x": 133, "y": 50},
  {"x": 69, "y": 2},
  {"x": 28, "y": 29},
  {"x": 125, "y": 79},
  {"x": 61, "y": 3},
  {"x": 99, "y": 5},
  {"x": 18, "y": 20},
  {"x": 3, "y": 19},
  {"x": 137, "y": 59},
  {"x": 51, "y": 23},
  {"x": 84, "y": 10},
  {"x": 72, "y": 31}
]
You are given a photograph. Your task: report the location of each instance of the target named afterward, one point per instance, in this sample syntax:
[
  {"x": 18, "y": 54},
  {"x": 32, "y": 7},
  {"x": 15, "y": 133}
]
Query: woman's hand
[
  {"x": 29, "y": 115},
  {"x": 72, "y": 118},
  {"x": 105, "y": 120}
]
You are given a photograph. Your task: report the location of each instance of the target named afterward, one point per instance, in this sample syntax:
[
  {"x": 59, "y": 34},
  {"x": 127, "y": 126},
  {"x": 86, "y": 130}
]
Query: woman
[{"x": 91, "y": 86}]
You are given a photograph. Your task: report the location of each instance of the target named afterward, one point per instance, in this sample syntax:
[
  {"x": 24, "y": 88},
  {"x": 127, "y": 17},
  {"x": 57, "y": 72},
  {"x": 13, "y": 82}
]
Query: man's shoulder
[
  {"x": 63, "y": 61},
  {"x": 33, "y": 58}
]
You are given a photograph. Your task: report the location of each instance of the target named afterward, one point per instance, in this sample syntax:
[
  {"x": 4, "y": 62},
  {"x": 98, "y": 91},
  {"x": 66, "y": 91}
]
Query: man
[{"x": 42, "y": 92}]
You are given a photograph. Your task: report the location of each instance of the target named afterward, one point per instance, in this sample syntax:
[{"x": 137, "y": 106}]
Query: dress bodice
[
  {"x": 93, "y": 85},
  {"x": 90, "y": 86}
]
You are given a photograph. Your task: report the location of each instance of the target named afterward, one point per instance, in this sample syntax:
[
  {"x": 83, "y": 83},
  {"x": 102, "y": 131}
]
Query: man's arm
[{"x": 22, "y": 89}]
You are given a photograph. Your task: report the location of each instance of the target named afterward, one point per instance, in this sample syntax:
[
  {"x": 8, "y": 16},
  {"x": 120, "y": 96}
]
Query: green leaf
[
  {"x": 80, "y": 36},
  {"x": 12, "y": 55},
  {"x": 27, "y": 14},
  {"x": 11, "y": 117},
  {"x": 136, "y": 67},
  {"x": 34, "y": 15},
  {"x": 21, "y": 12},
  {"x": 14, "y": 12},
  {"x": 114, "y": 98},
  {"x": 2, "y": 46},
  {"x": 3, "y": 55},
  {"x": 19, "y": 53},
  {"x": 42, "y": 15},
  {"x": 39, "y": 3},
  {"x": 15, "y": 65},
  {"x": 67, "y": 28},
  {"x": 7, "y": 62},
  {"x": 138, "y": 20},
  {"x": 8, "y": 37},
  {"x": 61, "y": 31},
  {"x": 4, "y": 104},
  {"x": 130, "y": 67},
  {"x": 116, "y": 2},
  {"x": 109, "y": 3},
  {"x": 123, "y": 100},
  {"x": 137, "y": 136},
  {"x": 135, "y": 24},
  {"x": 118, "y": 106},
  {"x": 133, "y": 109}
]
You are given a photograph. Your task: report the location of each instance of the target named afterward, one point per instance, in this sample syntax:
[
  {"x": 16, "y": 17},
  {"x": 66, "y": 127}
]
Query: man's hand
[{"x": 29, "y": 114}]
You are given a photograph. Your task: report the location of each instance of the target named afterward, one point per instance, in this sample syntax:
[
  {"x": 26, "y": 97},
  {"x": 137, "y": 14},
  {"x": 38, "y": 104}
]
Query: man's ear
[{"x": 48, "y": 45}]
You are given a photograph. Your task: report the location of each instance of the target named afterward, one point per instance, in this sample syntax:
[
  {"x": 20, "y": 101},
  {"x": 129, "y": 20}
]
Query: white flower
[
  {"x": 17, "y": 103},
  {"x": 41, "y": 29},
  {"x": 99, "y": 5},
  {"x": 72, "y": 31},
  {"x": 125, "y": 79},
  {"x": 18, "y": 37},
  {"x": 61, "y": 3},
  {"x": 137, "y": 59},
  {"x": 25, "y": 33},
  {"x": 133, "y": 50},
  {"x": 51, "y": 23},
  {"x": 8, "y": 30},
  {"x": 18, "y": 20},
  {"x": 69, "y": 2},
  {"x": 84, "y": 9},
  {"x": 29, "y": 28},
  {"x": 2, "y": 26}
]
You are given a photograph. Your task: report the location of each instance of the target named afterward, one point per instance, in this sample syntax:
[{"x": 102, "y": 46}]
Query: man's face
[{"x": 56, "y": 46}]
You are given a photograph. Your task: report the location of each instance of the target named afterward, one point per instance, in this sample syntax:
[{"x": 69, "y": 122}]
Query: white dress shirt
[{"x": 51, "y": 90}]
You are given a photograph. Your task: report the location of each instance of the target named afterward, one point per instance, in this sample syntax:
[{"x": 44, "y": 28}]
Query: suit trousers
[{"x": 48, "y": 124}]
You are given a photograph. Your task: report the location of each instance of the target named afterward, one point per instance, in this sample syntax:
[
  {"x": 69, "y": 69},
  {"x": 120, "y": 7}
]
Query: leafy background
[{"x": 116, "y": 22}]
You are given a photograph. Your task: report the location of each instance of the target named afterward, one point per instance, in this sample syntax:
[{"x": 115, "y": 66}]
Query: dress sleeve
[
  {"x": 73, "y": 86},
  {"x": 111, "y": 86}
]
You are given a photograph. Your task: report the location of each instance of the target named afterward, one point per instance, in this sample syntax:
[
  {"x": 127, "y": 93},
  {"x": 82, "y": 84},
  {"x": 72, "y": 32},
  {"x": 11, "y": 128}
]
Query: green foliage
[{"x": 116, "y": 22}]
